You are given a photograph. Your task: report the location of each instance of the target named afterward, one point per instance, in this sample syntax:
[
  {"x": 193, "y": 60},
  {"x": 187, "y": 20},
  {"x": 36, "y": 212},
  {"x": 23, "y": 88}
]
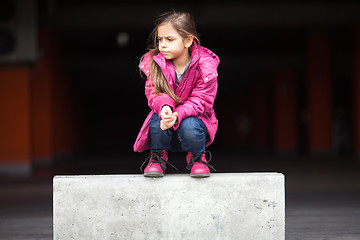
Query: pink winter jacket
[{"x": 197, "y": 91}]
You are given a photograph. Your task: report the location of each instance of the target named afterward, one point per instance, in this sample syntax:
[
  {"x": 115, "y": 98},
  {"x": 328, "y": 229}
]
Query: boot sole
[
  {"x": 199, "y": 175},
  {"x": 153, "y": 174}
]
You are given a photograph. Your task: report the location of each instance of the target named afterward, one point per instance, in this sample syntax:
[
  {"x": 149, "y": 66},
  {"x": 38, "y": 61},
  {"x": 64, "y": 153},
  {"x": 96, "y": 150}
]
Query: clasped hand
[{"x": 168, "y": 118}]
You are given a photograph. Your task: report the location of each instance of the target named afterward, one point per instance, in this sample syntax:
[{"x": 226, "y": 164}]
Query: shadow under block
[{"x": 225, "y": 206}]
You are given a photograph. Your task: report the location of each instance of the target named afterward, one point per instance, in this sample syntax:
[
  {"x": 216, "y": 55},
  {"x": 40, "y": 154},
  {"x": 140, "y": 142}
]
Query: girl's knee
[
  {"x": 154, "y": 123},
  {"x": 192, "y": 127}
]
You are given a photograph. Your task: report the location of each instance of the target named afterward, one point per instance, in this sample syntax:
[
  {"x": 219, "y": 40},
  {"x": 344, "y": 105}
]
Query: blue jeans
[{"x": 191, "y": 136}]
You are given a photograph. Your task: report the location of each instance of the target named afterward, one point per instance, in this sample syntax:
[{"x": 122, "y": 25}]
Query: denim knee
[
  {"x": 159, "y": 139},
  {"x": 192, "y": 128},
  {"x": 193, "y": 135}
]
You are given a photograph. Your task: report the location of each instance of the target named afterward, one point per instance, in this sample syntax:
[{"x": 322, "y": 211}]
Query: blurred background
[{"x": 72, "y": 100}]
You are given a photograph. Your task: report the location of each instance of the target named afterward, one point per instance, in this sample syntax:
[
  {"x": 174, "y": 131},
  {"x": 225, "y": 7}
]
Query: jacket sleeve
[
  {"x": 157, "y": 101},
  {"x": 200, "y": 101}
]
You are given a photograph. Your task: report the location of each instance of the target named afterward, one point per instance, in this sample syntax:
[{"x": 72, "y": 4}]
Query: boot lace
[
  {"x": 197, "y": 158},
  {"x": 157, "y": 157}
]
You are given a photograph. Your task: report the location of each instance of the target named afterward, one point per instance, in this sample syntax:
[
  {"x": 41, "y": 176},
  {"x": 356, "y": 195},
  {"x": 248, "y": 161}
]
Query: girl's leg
[
  {"x": 159, "y": 144},
  {"x": 193, "y": 135},
  {"x": 159, "y": 139}
]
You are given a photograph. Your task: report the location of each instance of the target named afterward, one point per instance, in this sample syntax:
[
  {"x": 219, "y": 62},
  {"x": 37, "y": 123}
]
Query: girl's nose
[{"x": 162, "y": 44}]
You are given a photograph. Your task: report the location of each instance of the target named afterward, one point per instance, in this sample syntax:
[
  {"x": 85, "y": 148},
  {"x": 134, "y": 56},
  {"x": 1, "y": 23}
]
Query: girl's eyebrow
[{"x": 168, "y": 36}]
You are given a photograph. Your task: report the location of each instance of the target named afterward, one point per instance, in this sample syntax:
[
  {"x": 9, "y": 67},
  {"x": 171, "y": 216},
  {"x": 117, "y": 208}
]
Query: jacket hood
[{"x": 208, "y": 62}]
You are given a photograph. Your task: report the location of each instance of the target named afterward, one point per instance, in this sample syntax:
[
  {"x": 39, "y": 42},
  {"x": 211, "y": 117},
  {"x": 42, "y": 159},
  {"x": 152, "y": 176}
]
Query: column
[
  {"x": 261, "y": 116},
  {"x": 15, "y": 131},
  {"x": 285, "y": 111},
  {"x": 356, "y": 93},
  {"x": 319, "y": 81}
]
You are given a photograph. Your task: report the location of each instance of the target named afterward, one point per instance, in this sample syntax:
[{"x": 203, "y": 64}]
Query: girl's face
[{"x": 171, "y": 44}]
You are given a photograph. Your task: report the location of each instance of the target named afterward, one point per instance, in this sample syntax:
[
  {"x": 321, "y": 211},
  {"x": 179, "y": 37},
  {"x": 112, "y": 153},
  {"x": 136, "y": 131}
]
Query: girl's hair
[{"x": 184, "y": 24}]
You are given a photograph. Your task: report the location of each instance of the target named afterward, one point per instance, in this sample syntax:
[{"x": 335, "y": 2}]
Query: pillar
[
  {"x": 261, "y": 118},
  {"x": 356, "y": 93},
  {"x": 285, "y": 111},
  {"x": 56, "y": 115},
  {"x": 319, "y": 82},
  {"x": 15, "y": 131},
  {"x": 42, "y": 100}
]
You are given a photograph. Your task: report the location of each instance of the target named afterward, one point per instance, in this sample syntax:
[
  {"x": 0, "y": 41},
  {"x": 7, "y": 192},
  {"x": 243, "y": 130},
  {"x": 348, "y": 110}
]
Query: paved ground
[
  {"x": 320, "y": 204},
  {"x": 26, "y": 210}
]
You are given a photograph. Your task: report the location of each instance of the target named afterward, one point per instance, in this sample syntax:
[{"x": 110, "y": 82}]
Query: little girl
[{"x": 181, "y": 88}]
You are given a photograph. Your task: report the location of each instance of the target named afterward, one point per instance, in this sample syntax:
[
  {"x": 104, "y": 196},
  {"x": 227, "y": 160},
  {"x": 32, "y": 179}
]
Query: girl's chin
[{"x": 166, "y": 55}]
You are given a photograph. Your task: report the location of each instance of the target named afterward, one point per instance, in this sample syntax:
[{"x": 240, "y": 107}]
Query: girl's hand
[
  {"x": 166, "y": 113},
  {"x": 168, "y": 123}
]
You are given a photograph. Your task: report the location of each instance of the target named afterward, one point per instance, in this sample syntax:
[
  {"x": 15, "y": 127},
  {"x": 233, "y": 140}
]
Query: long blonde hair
[{"x": 184, "y": 24}]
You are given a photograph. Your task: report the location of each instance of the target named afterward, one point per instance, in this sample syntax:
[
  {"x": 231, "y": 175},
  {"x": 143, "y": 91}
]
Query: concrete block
[{"x": 249, "y": 206}]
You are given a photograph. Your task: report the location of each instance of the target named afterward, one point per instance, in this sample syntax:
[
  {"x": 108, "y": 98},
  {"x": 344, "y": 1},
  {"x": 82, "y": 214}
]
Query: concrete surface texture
[{"x": 224, "y": 206}]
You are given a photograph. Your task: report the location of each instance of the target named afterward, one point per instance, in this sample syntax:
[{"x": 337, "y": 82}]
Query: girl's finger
[
  {"x": 169, "y": 120},
  {"x": 163, "y": 126}
]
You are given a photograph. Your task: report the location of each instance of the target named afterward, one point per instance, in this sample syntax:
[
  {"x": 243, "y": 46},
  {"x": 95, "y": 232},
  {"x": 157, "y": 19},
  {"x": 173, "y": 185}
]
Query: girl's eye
[{"x": 170, "y": 39}]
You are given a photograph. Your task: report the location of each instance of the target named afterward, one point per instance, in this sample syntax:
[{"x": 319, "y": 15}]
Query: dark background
[
  {"x": 72, "y": 101},
  {"x": 255, "y": 40}
]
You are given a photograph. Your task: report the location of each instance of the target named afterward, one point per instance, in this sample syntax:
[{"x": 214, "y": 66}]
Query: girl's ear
[{"x": 188, "y": 41}]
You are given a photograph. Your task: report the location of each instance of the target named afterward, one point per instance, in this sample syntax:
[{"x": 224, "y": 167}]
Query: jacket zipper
[{"x": 181, "y": 86}]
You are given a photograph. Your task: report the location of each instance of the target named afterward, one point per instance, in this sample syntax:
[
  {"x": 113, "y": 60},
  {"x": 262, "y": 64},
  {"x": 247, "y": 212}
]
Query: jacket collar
[{"x": 205, "y": 60}]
